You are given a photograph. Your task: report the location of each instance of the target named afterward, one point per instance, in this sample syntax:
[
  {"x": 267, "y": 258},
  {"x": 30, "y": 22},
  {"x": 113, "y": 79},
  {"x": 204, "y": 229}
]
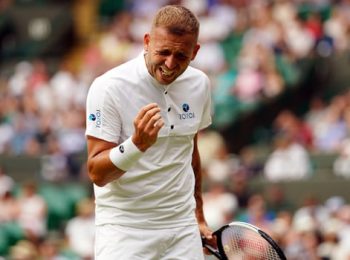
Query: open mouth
[{"x": 166, "y": 73}]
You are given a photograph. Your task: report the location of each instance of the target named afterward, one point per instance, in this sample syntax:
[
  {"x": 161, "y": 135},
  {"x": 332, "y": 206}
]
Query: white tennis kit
[{"x": 158, "y": 191}]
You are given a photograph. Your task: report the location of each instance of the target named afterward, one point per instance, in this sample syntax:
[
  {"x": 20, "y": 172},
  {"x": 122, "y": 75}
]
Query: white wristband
[{"x": 125, "y": 155}]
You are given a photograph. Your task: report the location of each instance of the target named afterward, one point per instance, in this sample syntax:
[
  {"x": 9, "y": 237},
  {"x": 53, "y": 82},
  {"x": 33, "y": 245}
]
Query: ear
[
  {"x": 195, "y": 51},
  {"x": 146, "y": 41}
]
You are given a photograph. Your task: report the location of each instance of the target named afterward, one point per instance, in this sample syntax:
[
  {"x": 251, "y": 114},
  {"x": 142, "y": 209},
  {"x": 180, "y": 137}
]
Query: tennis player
[{"x": 142, "y": 123}]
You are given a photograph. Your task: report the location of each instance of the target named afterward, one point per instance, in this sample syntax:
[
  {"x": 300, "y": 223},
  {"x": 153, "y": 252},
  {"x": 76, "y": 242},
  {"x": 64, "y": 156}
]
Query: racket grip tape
[{"x": 212, "y": 250}]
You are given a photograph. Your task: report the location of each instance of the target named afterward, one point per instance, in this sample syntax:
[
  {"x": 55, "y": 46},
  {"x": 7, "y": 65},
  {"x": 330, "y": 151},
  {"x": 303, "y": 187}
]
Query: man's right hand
[{"x": 147, "y": 124}]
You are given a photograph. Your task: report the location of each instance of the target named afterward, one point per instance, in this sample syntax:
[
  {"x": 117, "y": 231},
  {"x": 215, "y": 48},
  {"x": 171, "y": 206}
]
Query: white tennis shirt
[{"x": 158, "y": 191}]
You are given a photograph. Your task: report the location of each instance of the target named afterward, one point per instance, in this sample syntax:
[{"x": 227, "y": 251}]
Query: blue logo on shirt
[
  {"x": 92, "y": 117},
  {"x": 187, "y": 114},
  {"x": 185, "y": 107},
  {"x": 96, "y": 118}
]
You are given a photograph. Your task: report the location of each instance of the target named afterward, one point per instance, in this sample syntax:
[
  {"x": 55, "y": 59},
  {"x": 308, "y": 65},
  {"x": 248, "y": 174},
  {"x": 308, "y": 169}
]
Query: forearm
[
  {"x": 199, "y": 201},
  {"x": 107, "y": 162},
  {"x": 196, "y": 165},
  {"x": 101, "y": 170},
  {"x": 204, "y": 230}
]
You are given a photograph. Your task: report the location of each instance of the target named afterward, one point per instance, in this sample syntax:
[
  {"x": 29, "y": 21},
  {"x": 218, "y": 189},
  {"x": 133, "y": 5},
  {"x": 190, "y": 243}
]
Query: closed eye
[
  {"x": 164, "y": 53},
  {"x": 181, "y": 56}
]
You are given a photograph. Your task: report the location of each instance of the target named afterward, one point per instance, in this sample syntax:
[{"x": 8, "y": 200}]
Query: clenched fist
[{"x": 147, "y": 124}]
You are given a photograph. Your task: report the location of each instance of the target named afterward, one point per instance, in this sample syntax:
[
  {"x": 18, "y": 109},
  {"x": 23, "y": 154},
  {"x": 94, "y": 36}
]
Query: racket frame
[{"x": 220, "y": 252}]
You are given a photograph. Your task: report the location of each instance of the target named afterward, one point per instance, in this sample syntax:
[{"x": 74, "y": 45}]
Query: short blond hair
[{"x": 177, "y": 20}]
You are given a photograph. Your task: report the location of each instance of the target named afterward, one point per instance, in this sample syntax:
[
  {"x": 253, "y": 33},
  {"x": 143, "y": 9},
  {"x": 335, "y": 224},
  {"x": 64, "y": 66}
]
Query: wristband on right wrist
[{"x": 125, "y": 155}]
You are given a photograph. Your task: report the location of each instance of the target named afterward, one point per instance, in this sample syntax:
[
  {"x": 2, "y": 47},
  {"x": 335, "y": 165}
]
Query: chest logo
[
  {"x": 187, "y": 114},
  {"x": 185, "y": 107}
]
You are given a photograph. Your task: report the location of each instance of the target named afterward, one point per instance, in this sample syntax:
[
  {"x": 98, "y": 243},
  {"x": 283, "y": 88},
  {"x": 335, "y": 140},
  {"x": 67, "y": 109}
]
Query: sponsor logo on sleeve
[{"x": 96, "y": 117}]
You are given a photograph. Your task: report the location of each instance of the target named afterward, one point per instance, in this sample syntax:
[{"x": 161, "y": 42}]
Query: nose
[{"x": 170, "y": 62}]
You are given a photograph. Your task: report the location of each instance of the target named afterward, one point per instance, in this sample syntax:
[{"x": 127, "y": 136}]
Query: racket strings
[{"x": 244, "y": 244}]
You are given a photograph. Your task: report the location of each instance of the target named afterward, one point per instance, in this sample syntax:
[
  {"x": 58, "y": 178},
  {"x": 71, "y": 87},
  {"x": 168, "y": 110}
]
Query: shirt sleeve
[{"x": 102, "y": 116}]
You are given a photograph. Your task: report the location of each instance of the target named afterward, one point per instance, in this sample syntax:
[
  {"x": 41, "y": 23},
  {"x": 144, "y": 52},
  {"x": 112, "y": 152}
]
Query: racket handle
[{"x": 212, "y": 250}]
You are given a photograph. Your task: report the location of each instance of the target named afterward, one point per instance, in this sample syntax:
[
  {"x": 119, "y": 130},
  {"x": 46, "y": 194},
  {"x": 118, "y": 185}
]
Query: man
[{"x": 143, "y": 119}]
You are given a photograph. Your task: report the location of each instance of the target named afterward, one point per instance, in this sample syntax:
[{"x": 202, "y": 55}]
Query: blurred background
[{"x": 277, "y": 154}]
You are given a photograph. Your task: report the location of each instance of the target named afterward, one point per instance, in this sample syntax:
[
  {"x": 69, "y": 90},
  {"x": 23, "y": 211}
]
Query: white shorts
[{"x": 114, "y": 242}]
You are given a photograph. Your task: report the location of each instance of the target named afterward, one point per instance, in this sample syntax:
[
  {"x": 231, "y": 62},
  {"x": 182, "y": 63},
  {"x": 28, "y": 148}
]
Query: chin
[{"x": 163, "y": 81}]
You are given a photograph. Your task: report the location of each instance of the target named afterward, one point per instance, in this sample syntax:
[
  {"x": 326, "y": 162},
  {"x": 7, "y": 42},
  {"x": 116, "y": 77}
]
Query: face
[{"x": 168, "y": 55}]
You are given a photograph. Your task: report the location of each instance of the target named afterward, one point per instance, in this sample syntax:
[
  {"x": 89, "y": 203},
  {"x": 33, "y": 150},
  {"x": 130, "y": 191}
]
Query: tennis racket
[{"x": 243, "y": 241}]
